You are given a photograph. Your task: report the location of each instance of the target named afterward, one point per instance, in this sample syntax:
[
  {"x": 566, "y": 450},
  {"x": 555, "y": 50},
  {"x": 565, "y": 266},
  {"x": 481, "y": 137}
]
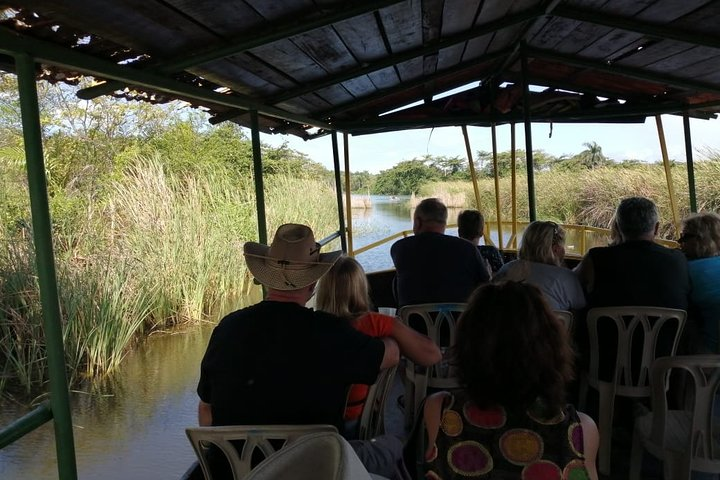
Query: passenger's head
[
  {"x": 430, "y": 216},
  {"x": 701, "y": 235},
  {"x": 637, "y": 219},
  {"x": 292, "y": 262},
  {"x": 470, "y": 225},
  {"x": 343, "y": 291},
  {"x": 511, "y": 349},
  {"x": 543, "y": 242}
]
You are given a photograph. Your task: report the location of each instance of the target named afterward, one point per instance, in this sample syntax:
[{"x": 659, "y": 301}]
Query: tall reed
[{"x": 158, "y": 249}]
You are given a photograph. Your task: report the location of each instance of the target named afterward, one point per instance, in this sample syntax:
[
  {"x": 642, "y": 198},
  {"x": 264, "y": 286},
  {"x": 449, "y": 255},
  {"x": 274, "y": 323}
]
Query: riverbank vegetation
[
  {"x": 151, "y": 207},
  {"x": 148, "y": 229}
]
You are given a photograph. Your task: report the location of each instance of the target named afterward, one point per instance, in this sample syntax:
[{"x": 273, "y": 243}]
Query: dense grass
[
  {"x": 589, "y": 197},
  {"x": 150, "y": 251}
]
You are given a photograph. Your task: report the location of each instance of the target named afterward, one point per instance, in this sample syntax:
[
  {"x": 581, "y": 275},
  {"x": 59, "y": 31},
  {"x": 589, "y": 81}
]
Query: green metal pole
[
  {"x": 338, "y": 192},
  {"x": 26, "y": 424},
  {"x": 259, "y": 186},
  {"x": 690, "y": 165},
  {"x": 528, "y": 135},
  {"x": 59, "y": 394}
]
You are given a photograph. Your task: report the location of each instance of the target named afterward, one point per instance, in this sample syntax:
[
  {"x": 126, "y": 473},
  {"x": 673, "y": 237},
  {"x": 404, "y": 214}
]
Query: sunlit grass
[{"x": 155, "y": 251}]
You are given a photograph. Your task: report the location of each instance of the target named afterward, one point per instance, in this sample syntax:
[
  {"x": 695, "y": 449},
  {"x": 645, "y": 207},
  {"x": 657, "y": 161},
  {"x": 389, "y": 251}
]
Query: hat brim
[{"x": 271, "y": 273}]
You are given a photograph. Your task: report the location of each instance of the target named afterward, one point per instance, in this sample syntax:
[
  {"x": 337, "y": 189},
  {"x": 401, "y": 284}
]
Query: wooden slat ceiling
[{"x": 345, "y": 64}]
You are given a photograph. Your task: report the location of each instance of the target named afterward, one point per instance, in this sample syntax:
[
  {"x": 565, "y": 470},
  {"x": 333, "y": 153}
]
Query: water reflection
[{"x": 137, "y": 431}]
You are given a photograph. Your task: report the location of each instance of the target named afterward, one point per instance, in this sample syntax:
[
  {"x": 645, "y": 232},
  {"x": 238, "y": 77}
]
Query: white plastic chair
[
  {"x": 682, "y": 439},
  {"x": 372, "y": 419},
  {"x": 265, "y": 438},
  {"x": 438, "y": 321},
  {"x": 630, "y": 375},
  {"x": 566, "y": 317},
  {"x": 318, "y": 456}
]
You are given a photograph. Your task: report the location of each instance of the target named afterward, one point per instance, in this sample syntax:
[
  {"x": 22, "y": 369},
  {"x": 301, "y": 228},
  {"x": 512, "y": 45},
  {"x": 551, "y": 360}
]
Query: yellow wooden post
[
  {"x": 348, "y": 199},
  {"x": 668, "y": 174},
  {"x": 513, "y": 185},
  {"x": 471, "y": 164},
  {"x": 497, "y": 186}
]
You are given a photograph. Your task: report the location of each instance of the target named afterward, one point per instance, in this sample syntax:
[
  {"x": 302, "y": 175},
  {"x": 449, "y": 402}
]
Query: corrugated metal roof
[{"x": 345, "y": 64}]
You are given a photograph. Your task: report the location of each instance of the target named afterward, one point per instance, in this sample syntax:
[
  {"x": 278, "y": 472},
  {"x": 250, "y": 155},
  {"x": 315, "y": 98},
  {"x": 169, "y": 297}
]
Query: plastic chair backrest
[
  {"x": 267, "y": 439},
  {"x": 633, "y": 358},
  {"x": 438, "y": 321},
  {"x": 566, "y": 317},
  {"x": 703, "y": 452},
  {"x": 372, "y": 419},
  {"x": 326, "y": 456}
]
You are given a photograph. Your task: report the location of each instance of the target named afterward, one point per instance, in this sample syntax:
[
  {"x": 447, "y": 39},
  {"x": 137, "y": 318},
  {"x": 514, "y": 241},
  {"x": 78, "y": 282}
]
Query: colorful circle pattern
[
  {"x": 451, "y": 423},
  {"x": 575, "y": 470},
  {"x": 542, "y": 470},
  {"x": 575, "y": 438},
  {"x": 521, "y": 446},
  {"x": 484, "y": 418},
  {"x": 469, "y": 459}
]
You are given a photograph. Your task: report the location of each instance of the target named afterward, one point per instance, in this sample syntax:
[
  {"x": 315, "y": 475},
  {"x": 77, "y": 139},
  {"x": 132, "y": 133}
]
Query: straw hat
[{"x": 292, "y": 261}]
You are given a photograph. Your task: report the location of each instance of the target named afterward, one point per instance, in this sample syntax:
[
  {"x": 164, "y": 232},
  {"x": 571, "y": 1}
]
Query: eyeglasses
[{"x": 687, "y": 236}]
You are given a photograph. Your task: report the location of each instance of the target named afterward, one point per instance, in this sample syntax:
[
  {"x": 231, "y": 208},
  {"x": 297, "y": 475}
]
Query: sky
[{"x": 378, "y": 152}]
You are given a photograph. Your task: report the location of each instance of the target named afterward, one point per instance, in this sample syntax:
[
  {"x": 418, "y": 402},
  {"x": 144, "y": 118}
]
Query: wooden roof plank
[
  {"x": 326, "y": 49},
  {"x": 402, "y": 25},
  {"x": 226, "y": 17},
  {"x": 362, "y": 37},
  {"x": 287, "y": 58},
  {"x": 384, "y": 78}
]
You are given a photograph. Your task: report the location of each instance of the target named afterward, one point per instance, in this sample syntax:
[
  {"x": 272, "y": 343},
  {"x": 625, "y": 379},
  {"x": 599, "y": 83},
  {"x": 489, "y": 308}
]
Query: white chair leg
[
  {"x": 607, "y": 406},
  {"x": 636, "y": 455}
]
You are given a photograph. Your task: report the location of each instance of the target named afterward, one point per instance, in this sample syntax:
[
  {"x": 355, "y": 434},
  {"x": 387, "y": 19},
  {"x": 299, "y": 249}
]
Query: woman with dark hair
[
  {"x": 510, "y": 420},
  {"x": 540, "y": 262},
  {"x": 700, "y": 241}
]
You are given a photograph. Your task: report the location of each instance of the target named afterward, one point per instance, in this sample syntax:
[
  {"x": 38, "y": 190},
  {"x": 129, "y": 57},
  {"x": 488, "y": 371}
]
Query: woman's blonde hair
[
  {"x": 343, "y": 290},
  {"x": 705, "y": 227},
  {"x": 538, "y": 240}
]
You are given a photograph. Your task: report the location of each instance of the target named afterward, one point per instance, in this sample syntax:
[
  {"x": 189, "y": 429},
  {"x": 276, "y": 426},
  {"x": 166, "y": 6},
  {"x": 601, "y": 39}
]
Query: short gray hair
[
  {"x": 636, "y": 216},
  {"x": 432, "y": 210}
]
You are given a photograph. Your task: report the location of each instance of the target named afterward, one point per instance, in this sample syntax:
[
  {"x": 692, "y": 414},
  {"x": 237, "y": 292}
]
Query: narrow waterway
[{"x": 134, "y": 427}]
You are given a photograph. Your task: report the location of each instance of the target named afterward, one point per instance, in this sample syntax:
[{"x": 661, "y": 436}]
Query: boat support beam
[
  {"x": 45, "y": 259},
  {"x": 528, "y": 135},
  {"x": 338, "y": 192},
  {"x": 690, "y": 164},
  {"x": 668, "y": 174}
]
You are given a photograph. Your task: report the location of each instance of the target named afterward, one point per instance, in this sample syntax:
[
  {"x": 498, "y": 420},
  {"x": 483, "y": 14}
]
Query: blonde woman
[
  {"x": 540, "y": 262},
  {"x": 343, "y": 291}
]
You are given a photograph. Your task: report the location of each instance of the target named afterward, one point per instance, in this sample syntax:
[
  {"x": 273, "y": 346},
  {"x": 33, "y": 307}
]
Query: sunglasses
[
  {"x": 556, "y": 230},
  {"x": 687, "y": 236}
]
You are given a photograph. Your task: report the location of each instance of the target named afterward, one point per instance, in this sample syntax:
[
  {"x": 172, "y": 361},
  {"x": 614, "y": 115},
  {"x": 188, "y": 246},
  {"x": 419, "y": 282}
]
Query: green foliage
[
  {"x": 150, "y": 208},
  {"x": 405, "y": 178}
]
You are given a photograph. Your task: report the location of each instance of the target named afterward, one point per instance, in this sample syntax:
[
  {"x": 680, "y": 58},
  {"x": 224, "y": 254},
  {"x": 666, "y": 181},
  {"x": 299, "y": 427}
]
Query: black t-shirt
[
  {"x": 281, "y": 363},
  {"x": 433, "y": 267},
  {"x": 639, "y": 273}
]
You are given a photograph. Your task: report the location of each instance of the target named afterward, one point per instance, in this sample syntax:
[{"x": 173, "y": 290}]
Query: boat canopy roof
[{"x": 309, "y": 67}]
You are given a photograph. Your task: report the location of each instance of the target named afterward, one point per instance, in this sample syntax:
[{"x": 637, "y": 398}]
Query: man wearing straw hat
[{"x": 278, "y": 362}]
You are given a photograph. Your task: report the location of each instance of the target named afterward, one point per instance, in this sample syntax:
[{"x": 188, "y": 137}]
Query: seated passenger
[
  {"x": 433, "y": 267},
  {"x": 511, "y": 420},
  {"x": 636, "y": 271},
  {"x": 540, "y": 262},
  {"x": 700, "y": 241},
  {"x": 278, "y": 362},
  {"x": 471, "y": 227},
  {"x": 343, "y": 291}
]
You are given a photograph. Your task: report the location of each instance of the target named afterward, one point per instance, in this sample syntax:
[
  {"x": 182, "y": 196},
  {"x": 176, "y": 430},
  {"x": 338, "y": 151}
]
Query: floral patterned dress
[{"x": 497, "y": 444}]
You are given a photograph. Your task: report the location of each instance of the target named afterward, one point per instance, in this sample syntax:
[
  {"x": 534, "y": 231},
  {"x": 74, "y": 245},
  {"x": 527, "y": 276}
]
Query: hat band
[{"x": 278, "y": 264}]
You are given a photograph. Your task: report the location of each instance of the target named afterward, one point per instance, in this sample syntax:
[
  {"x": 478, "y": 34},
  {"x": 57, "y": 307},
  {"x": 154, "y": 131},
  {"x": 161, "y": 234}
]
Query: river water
[{"x": 134, "y": 427}]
